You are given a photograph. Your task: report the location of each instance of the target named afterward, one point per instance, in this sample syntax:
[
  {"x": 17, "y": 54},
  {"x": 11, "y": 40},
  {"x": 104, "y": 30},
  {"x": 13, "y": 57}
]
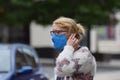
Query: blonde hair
[{"x": 70, "y": 25}]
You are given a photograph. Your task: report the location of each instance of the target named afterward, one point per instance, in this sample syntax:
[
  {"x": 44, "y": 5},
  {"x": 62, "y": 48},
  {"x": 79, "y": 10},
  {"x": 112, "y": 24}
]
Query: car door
[{"x": 25, "y": 65}]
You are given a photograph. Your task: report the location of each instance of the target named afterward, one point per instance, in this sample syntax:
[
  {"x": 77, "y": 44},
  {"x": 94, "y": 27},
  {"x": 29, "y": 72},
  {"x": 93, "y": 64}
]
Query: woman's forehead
[{"x": 58, "y": 27}]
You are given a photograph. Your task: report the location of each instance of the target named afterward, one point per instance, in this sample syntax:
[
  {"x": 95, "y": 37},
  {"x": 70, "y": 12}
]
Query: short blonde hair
[{"x": 70, "y": 25}]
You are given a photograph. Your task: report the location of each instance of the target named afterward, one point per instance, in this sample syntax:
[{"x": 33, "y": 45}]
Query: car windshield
[{"x": 4, "y": 60}]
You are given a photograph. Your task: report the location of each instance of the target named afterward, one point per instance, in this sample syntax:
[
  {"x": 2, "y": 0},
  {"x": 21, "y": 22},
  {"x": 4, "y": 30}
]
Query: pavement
[
  {"x": 108, "y": 70},
  {"x": 105, "y": 70}
]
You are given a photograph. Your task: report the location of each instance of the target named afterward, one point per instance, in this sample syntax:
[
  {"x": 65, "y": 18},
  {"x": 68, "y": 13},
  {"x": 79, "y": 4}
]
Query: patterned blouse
[{"x": 78, "y": 65}]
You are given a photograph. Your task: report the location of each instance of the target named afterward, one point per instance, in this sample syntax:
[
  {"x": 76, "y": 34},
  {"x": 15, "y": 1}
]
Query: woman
[{"x": 75, "y": 62}]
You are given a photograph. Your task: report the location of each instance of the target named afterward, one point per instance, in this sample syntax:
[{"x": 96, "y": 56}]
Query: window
[
  {"x": 20, "y": 60},
  {"x": 29, "y": 55},
  {"x": 24, "y": 57}
]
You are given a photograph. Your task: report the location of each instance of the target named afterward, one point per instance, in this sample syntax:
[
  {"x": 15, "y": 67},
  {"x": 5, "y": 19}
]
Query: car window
[
  {"x": 24, "y": 58},
  {"x": 5, "y": 60},
  {"x": 20, "y": 60},
  {"x": 27, "y": 51},
  {"x": 29, "y": 55}
]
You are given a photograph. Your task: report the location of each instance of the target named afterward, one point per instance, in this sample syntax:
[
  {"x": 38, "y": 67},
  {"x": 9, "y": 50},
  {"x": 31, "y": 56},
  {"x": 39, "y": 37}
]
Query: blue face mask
[{"x": 59, "y": 41}]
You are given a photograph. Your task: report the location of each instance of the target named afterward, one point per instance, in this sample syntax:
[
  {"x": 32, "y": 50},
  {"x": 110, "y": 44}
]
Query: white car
[{"x": 20, "y": 62}]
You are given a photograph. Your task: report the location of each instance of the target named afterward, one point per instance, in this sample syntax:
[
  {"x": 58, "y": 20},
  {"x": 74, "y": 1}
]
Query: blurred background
[{"x": 29, "y": 22}]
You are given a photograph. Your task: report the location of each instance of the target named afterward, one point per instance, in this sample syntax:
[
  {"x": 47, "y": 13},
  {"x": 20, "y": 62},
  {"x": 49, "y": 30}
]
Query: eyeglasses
[{"x": 57, "y": 31}]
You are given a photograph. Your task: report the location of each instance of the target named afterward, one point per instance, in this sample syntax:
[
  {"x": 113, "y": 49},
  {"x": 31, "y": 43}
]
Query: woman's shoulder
[{"x": 84, "y": 49}]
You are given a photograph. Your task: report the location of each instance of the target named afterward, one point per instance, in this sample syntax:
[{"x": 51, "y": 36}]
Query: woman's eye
[{"x": 58, "y": 32}]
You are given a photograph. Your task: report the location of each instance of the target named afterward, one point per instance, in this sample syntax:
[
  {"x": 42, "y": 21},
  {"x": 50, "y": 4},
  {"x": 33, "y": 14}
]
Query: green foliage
[
  {"x": 25, "y": 3},
  {"x": 86, "y": 12}
]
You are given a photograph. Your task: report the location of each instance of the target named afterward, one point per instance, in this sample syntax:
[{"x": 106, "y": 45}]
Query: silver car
[{"x": 20, "y": 62}]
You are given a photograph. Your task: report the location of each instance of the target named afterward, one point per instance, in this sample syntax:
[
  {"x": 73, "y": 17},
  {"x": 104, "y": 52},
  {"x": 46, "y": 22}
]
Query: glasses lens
[{"x": 57, "y": 32}]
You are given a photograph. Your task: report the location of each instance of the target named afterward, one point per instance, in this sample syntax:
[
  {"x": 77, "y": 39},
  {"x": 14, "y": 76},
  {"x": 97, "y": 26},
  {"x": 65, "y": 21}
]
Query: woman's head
[
  {"x": 68, "y": 26},
  {"x": 62, "y": 29}
]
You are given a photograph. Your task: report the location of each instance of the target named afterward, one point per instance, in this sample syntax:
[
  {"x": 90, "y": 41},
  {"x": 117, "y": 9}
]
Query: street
[{"x": 105, "y": 70}]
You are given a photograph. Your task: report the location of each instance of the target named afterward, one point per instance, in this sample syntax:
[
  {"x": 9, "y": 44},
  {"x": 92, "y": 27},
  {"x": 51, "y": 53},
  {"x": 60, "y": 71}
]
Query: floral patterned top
[{"x": 78, "y": 65}]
